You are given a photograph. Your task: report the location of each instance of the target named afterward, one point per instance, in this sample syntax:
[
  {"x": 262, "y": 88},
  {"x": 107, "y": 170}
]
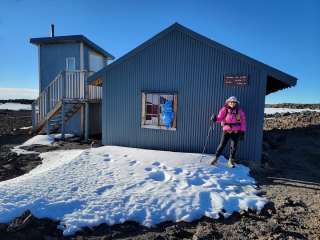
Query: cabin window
[
  {"x": 70, "y": 63},
  {"x": 159, "y": 111}
]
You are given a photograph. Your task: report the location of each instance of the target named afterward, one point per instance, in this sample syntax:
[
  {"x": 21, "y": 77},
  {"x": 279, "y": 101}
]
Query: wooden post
[
  {"x": 47, "y": 97},
  {"x": 175, "y": 109},
  {"x": 143, "y": 109},
  {"x": 62, "y": 120},
  {"x": 34, "y": 115},
  {"x": 64, "y": 73},
  {"x": 86, "y": 122}
]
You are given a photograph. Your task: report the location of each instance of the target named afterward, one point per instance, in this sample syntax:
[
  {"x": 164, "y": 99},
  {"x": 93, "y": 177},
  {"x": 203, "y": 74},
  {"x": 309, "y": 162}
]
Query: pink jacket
[{"x": 227, "y": 115}]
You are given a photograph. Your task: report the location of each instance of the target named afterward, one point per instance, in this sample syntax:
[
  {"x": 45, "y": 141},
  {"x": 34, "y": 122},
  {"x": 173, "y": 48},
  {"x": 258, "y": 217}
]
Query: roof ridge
[{"x": 273, "y": 72}]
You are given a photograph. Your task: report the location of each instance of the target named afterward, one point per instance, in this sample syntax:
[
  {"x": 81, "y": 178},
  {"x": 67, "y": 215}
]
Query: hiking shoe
[
  {"x": 20, "y": 222},
  {"x": 214, "y": 160},
  {"x": 231, "y": 163}
]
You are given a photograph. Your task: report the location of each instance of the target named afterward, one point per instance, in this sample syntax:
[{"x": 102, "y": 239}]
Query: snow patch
[
  {"x": 114, "y": 184},
  {"x": 46, "y": 140},
  {"x": 287, "y": 110},
  {"x": 26, "y": 128},
  {"x": 15, "y": 106}
]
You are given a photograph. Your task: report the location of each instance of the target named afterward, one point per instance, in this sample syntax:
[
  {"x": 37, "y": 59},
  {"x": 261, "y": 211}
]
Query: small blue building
[
  {"x": 161, "y": 94},
  {"x": 65, "y": 62}
]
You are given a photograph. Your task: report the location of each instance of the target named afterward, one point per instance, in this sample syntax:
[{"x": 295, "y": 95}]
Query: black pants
[{"x": 234, "y": 139}]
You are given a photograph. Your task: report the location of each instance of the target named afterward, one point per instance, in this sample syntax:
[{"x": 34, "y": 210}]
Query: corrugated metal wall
[
  {"x": 95, "y": 119},
  {"x": 193, "y": 70},
  {"x": 53, "y": 60}
]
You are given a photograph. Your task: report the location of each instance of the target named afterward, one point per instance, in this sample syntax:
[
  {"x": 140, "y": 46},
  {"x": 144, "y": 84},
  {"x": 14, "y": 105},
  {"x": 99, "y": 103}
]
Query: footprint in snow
[
  {"x": 107, "y": 157},
  {"x": 148, "y": 169},
  {"x": 156, "y": 164},
  {"x": 133, "y": 162},
  {"x": 101, "y": 190},
  {"x": 196, "y": 181},
  {"x": 74, "y": 189},
  {"x": 177, "y": 170},
  {"x": 159, "y": 176}
]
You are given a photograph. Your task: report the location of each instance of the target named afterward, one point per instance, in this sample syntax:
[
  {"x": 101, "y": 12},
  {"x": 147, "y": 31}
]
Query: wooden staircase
[
  {"x": 55, "y": 118},
  {"x": 61, "y": 100}
]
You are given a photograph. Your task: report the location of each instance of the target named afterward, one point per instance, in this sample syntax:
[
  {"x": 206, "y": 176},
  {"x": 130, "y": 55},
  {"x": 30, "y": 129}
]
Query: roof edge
[
  {"x": 289, "y": 79},
  {"x": 278, "y": 74},
  {"x": 96, "y": 76},
  {"x": 71, "y": 38}
]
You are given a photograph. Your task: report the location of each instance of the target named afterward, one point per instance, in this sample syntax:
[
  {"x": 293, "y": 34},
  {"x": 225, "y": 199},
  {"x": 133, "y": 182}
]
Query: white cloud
[{"x": 18, "y": 93}]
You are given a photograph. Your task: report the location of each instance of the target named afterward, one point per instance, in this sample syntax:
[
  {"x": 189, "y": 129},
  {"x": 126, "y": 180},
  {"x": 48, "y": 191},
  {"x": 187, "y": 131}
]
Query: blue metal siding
[
  {"x": 181, "y": 64},
  {"x": 86, "y": 50},
  {"x": 86, "y": 57},
  {"x": 53, "y": 60},
  {"x": 95, "y": 118}
]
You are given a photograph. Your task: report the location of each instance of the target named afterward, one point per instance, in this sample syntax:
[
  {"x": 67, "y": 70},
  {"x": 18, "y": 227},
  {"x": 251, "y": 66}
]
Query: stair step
[{"x": 55, "y": 120}]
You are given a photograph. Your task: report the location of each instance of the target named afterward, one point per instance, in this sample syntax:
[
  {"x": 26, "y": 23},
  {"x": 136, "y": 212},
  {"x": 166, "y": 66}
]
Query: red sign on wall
[{"x": 237, "y": 80}]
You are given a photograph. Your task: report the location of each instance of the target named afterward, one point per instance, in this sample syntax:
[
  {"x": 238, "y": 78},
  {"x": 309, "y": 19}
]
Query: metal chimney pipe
[{"x": 52, "y": 30}]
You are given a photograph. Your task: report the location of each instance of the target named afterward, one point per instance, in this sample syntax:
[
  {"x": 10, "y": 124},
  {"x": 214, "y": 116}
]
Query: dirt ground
[{"x": 289, "y": 178}]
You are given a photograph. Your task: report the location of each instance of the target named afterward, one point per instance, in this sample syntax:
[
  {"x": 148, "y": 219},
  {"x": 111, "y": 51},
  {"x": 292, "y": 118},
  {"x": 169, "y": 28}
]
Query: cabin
[
  {"x": 66, "y": 101},
  {"x": 158, "y": 96}
]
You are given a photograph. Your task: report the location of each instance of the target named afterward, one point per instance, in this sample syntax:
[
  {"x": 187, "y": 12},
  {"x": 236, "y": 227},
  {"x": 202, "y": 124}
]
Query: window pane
[
  {"x": 162, "y": 99},
  {"x": 157, "y": 112},
  {"x": 151, "y": 120},
  {"x": 149, "y": 99},
  {"x": 155, "y": 109},
  {"x": 166, "y": 110},
  {"x": 155, "y": 99},
  {"x": 71, "y": 64},
  {"x": 149, "y": 109}
]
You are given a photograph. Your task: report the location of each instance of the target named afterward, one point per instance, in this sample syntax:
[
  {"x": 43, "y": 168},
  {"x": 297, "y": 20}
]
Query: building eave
[
  {"x": 70, "y": 39},
  {"x": 285, "y": 78}
]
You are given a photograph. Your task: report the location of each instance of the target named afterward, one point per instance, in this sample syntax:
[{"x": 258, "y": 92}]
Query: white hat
[{"x": 232, "y": 99}]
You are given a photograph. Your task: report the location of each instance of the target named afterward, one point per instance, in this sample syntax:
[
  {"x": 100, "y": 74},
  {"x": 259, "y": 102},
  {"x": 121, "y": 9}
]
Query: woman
[{"x": 233, "y": 122}]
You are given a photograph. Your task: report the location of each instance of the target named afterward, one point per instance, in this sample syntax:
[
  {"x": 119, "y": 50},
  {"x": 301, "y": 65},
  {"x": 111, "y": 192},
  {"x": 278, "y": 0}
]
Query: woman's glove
[
  {"x": 213, "y": 117},
  {"x": 241, "y": 135}
]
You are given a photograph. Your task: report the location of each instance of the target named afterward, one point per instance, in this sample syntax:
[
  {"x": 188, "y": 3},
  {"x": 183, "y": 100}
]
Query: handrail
[{"x": 69, "y": 85}]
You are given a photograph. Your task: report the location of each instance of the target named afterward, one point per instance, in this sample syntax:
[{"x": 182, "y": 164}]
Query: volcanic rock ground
[{"x": 289, "y": 178}]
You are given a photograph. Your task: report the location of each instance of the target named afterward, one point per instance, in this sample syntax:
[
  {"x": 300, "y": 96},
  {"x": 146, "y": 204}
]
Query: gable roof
[
  {"x": 276, "y": 79},
  {"x": 69, "y": 39}
]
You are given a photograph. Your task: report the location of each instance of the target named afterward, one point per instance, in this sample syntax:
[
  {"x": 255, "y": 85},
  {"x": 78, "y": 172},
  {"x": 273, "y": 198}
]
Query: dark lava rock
[
  {"x": 206, "y": 231},
  {"x": 177, "y": 232}
]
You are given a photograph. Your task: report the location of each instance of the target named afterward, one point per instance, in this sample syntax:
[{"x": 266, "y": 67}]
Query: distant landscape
[
  {"x": 267, "y": 105},
  {"x": 22, "y": 101}
]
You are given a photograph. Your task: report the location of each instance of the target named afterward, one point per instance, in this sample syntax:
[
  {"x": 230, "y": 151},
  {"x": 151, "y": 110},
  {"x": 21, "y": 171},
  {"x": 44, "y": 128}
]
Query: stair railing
[{"x": 67, "y": 85}]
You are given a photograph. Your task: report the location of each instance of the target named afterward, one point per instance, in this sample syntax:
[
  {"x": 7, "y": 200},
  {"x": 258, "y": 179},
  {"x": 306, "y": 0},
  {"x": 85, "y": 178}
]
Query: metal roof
[
  {"x": 72, "y": 38},
  {"x": 285, "y": 79}
]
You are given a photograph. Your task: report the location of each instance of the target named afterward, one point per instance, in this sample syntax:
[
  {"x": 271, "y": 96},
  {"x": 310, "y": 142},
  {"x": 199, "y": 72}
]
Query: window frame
[
  {"x": 144, "y": 105},
  {"x": 67, "y": 63}
]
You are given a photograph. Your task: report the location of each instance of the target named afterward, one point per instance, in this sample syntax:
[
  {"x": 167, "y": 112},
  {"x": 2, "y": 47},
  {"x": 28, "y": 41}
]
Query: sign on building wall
[{"x": 236, "y": 80}]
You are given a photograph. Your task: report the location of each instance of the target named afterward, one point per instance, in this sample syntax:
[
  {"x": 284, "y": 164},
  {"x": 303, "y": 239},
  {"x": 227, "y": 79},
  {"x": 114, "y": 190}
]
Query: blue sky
[{"x": 283, "y": 34}]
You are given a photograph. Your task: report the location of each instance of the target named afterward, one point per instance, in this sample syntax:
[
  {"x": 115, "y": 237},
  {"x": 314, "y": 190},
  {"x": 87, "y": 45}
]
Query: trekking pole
[{"x": 208, "y": 135}]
